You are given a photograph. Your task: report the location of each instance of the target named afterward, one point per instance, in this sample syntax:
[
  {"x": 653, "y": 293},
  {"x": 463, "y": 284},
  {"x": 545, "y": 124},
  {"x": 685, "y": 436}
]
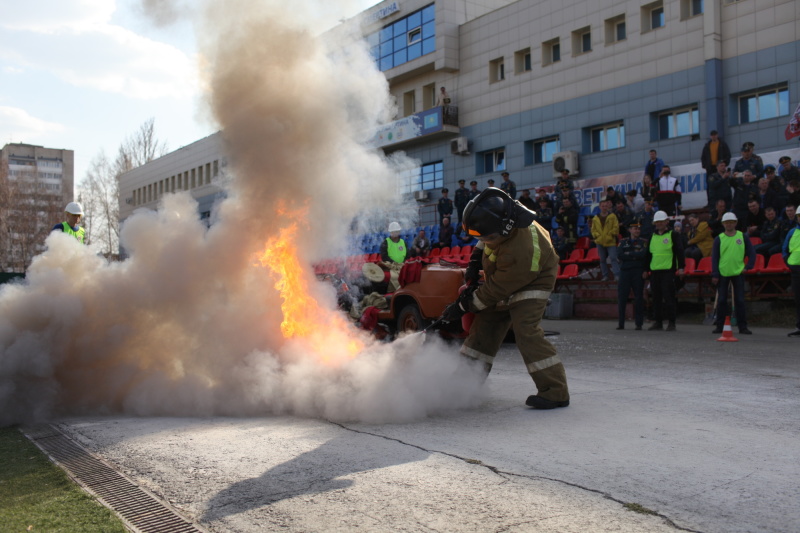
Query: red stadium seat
[
  {"x": 592, "y": 256},
  {"x": 570, "y": 271},
  {"x": 575, "y": 256},
  {"x": 691, "y": 264},
  {"x": 776, "y": 265},
  {"x": 703, "y": 267},
  {"x": 758, "y": 267},
  {"x": 583, "y": 243}
]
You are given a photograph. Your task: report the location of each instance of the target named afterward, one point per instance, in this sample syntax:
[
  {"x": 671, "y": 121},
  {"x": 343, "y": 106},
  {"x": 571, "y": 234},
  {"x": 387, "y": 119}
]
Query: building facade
[{"x": 598, "y": 83}]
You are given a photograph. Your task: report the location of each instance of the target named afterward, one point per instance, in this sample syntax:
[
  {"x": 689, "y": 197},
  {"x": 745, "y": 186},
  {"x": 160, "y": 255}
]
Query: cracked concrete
[{"x": 699, "y": 432}]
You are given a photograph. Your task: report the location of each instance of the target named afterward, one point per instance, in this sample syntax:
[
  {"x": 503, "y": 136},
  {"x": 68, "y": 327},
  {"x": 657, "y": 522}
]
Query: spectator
[
  {"x": 744, "y": 188},
  {"x": 562, "y": 247},
  {"x": 787, "y": 170},
  {"x": 473, "y": 189},
  {"x": 526, "y": 200},
  {"x": 508, "y": 186},
  {"x": 649, "y": 188},
  {"x": 749, "y": 161},
  {"x": 614, "y": 198},
  {"x": 771, "y": 231},
  {"x": 766, "y": 197},
  {"x": 634, "y": 201},
  {"x": 632, "y": 256},
  {"x": 461, "y": 198},
  {"x": 421, "y": 245},
  {"x": 541, "y": 193},
  {"x": 544, "y": 215},
  {"x": 755, "y": 217},
  {"x": 558, "y": 198},
  {"x": 646, "y": 220},
  {"x": 727, "y": 267},
  {"x": 700, "y": 239},
  {"x": 715, "y": 222},
  {"x": 793, "y": 188},
  {"x": 443, "y": 98},
  {"x": 445, "y": 206},
  {"x": 624, "y": 218},
  {"x": 791, "y": 254},
  {"x": 678, "y": 227},
  {"x": 715, "y": 151},
  {"x": 653, "y": 166},
  {"x": 490, "y": 182},
  {"x": 567, "y": 216},
  {"x": 719, "y": 186},
  {"x": 669, "y": 193},
  {"x": 776, "y": 184},
  {"x": 605, "y": 229},
  {"x": 445, "y": 234},
  {"x": 665, "y": 260}
]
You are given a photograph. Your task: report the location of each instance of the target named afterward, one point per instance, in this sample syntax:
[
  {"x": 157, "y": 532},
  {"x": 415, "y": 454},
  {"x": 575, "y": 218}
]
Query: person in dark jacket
[
  {"x": 714, "y": 152},
  {"x": 632, "y": 255}
]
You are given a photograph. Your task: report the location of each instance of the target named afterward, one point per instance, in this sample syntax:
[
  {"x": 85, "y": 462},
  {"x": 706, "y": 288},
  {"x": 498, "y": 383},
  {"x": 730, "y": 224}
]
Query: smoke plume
[{"x": 189, "y": 324}]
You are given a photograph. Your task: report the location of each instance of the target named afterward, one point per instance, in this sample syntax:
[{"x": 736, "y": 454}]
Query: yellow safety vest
[
  {"x": 396, "y": 250},
  {"x": 731, "y": 254},
  {"x": 794, "y": 248},
  {"x": 80, "y": 234},
  {"x": 661, "y": 250}
]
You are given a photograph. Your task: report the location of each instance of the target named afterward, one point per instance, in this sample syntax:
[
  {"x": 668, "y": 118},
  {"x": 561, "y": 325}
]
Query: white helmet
[
  {"x": 659, "y": 216},
  {"x": 74, "y": 208},
  {"x": 394, "y": 227},
  {"x": 729, "y": 216}
]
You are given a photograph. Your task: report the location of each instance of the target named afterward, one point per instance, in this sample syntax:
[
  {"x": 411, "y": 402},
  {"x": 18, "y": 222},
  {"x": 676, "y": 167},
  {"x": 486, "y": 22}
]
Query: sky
[{"x": 85, "y": 74}]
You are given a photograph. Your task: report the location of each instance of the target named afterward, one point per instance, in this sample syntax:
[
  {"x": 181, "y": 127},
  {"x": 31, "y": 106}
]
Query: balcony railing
[{"x": 431, "y": 122}]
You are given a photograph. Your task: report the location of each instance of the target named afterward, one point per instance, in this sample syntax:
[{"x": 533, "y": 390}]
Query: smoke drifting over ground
[{"x": 190, "y": 323}]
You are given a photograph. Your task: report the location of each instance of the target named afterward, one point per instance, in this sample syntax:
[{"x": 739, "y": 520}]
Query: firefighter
[
  {"x": 520, "y": 267},
  {"x": 73, "y": 213}
]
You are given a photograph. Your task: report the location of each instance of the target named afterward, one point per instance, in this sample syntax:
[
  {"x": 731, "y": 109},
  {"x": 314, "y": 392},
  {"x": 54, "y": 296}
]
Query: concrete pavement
[{"x": 702, "y": 433}]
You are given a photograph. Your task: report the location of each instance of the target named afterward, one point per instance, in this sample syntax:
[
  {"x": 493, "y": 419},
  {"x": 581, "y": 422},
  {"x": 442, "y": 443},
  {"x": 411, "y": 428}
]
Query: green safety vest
[
  {"x": 396, "y": 250},
  {"x": 661, "y": 250},
  {"x": 77, "y": 234},
  {"x": 731, "y": 254},
  {"x": 794, "y": 248}
]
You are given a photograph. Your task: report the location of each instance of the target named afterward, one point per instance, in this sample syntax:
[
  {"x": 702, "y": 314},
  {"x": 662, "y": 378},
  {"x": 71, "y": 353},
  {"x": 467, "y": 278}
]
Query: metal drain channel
[{"x": 140, "y": 511}]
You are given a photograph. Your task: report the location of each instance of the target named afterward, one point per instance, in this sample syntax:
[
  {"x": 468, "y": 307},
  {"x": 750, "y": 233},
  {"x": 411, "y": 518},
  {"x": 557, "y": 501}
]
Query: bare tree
[{"x": 142, "y": 147}]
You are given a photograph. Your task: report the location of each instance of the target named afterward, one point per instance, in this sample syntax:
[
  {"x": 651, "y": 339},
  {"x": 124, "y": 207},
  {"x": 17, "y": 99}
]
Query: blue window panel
[
  {"x": 428, "y": 46},
  {"x": 386, "y": 34},
  {"x": 386, "y": 63},
  {"x": 783, "y": 102},
  {"x": 428, "y": 13},
  {"x": 375, "y": 52},
  {"x": 414, "y": 51},
  {"x": 597, "y": 141},
  {"x": 414, "y": 20},
  {"x": 399, "y": 27},
  {"x": 386, "y": 49},
  {"x": 400, "y": 42},
  {"x": 767, "y": 106},
  {"x": 428, "y": 30},
  {"x": 695, "y": 121},
  {"x": 373, "y": 39},
  {"x": 400, "y": 57}
]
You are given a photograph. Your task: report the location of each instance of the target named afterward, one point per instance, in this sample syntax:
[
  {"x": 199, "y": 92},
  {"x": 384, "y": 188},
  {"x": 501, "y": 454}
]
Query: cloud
[
  {"x": 84, "y": 50},
  {"x": 49, "y": 15},
  {"x": 18, "y": 124}
]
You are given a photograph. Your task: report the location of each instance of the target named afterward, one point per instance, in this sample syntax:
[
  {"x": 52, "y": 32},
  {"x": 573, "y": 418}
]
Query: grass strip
[{"x": 36, "y": 495}]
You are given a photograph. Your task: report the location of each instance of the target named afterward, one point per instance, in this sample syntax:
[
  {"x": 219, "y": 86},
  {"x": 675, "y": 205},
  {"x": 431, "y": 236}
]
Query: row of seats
[
  {"x": 456, "y": 254},
  {"x": 371, "y": 243}
]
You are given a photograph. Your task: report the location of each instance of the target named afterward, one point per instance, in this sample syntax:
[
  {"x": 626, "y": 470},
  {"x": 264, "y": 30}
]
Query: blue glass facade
[{"x": 404, "y": 40}]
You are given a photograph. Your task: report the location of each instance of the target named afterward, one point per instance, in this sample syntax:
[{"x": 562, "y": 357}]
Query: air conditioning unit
[
  {"x": 459, "y": 146},
  {"x": 420, "y": 196},
  {"x": 564, "y": 160}
]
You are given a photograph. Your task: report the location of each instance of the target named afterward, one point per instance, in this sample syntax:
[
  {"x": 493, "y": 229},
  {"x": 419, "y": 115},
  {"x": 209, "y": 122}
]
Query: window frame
[
  {"x": 550, "y": 49},
  {"x": 497, "y": 70},
  {"x": 618, "y": 125},
  {"x": 539, "y": 151},
  {"x": 694, "y": 122},
  {"x": 757, "y": 94},
  {"x": 646, "y": 13},
  {"x": 578, "y": 41},
  {"x": 498, "y": 163},
  {"x": 523, "y": 61}
]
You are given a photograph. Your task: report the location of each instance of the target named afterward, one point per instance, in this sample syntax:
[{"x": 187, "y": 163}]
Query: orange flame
[{"x": 325, "y": 332}]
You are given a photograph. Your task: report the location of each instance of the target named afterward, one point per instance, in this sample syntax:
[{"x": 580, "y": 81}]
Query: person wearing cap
[
  {"x": 718, "y": 186},
  {"x": 445, "y": 206},
  {"x": 73, "y": 213},
  {"x": 541, "y": 194},
  {"x": 791, "y": 255},
  {"x": 744, "y": 189},
  {"x": 714, "y": 151},
  {"x": 490, "y": 182},
  {"x": 544, "y": 214},
  {"x": 508, "y": 186},
  {"x": 473, "y": 190},
  {"x": 632, "y": 257},
  {"x": 520, "y": 267},
  {"x": 727, "y": 268},
  {"x": 526, "y": 200},
  {"x": 777, "y": 185},
  {"x": 749, "y": 161},
  {"x": 665, "y": 260},
  {"x": 460, "y": 199},
  {"x": 787, "y": 170}
]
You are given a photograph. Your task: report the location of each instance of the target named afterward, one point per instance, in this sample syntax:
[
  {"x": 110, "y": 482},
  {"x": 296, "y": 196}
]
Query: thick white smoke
[{"x": 190, "y": 323}]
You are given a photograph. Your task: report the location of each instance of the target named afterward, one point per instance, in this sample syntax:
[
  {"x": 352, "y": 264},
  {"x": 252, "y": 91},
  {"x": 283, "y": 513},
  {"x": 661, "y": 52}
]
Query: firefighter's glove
[
  {"x": 472, "y": 274},
  {"x": 452, "y": 313},
  {"x": 465, "y": 298}
]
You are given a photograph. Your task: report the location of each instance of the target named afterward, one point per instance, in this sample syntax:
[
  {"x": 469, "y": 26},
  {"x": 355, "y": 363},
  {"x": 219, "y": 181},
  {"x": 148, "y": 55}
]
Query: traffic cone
[{"x": 727, "y": 332}]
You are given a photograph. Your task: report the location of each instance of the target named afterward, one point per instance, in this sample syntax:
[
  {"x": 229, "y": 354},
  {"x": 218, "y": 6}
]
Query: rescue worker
[
  {"x": 520, "y": 267},
  {"x": 664, "y": 260},
  {"x": 727, "y": 267},
  {"x": 632, "y": 255},
  {"x": 461, "y": 199},
  {"x": 791, "y": 254},
  {"x": 393, "y": 254},
  {"x": 73, "y": 213}
]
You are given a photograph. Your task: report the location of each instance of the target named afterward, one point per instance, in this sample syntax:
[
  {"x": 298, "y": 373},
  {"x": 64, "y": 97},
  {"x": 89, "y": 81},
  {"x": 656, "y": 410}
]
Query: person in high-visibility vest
[
  {"x": 727, "y": 268},
  {"x": 73, "y": 213},
  {"x": 665, "y": 260},
  {"x": 791, "y": 254}
]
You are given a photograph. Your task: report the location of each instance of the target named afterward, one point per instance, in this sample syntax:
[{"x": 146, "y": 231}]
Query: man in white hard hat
[
  {"x": 727, "y": 268},
  {"x": 394, "y": 251},
  {"x": 73, "y": 213},
  {"x": 665, "y": 259}
]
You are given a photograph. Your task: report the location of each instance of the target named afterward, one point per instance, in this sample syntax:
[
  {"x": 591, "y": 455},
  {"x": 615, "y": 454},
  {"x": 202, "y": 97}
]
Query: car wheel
[{"x": 409, "y": 319}]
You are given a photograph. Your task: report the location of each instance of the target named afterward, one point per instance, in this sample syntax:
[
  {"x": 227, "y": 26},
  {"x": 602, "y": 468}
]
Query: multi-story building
[{"x": 35, "y": 185}]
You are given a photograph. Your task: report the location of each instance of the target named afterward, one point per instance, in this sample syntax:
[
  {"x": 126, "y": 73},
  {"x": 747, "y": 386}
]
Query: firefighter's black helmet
[{"x": 488, "y": 213}]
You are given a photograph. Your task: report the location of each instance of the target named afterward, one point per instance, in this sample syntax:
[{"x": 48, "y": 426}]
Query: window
[
  {"x": 551, "y": 51},
  {"x": 492, "y": 161},
  {"x": 764, "y": 104},
  {"x": 497, "y": 70},
  {"x": 428, "y": 177},
  {"x": 679, "y": 122},
  {"x": 404, "y": 40},
  {"x": 409, "y": 103},
  {"x": 608, "y": 137},
  {"x": 691, "y": 8},
  {"x": 615, "y": 29},
  {"x": 541, "y": 150},
  {"x": 653, "y": 16},
  {"x": 581, "y": 41},
  {"x": 522, "y": 61}
]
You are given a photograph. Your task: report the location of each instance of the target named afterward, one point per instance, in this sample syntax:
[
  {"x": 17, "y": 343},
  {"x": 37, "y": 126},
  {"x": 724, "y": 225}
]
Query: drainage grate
[{"x": 141, "y": 511}]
